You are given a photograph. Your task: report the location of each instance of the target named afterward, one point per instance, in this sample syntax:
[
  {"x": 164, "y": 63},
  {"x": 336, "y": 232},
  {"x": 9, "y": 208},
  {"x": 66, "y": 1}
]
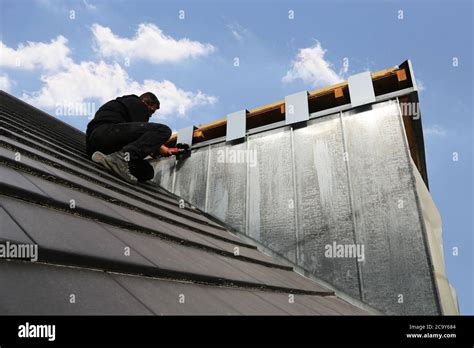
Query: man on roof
[{"x": 120, "y": 136}]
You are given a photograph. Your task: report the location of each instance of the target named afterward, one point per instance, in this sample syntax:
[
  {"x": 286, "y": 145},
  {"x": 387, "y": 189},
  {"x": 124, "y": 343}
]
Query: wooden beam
[
  {"x": 401, "y": 75},
  {"x": 338, "y": 93},
  {"x": 336, "y": 89},
  {"x": 375, "y": 76}
]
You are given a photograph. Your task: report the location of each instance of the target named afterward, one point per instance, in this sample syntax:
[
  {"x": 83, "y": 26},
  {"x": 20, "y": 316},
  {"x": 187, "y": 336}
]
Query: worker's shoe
[{"x": 117, "y": 163}]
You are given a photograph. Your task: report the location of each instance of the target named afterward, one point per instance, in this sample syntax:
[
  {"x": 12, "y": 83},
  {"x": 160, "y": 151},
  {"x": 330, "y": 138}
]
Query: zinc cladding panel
[
  {"x": 191, "y": 182},
  {"x": 271, "y": 199},
  {"x": 353, "y": 185},
  {"x": 226, "y": 187},
  {"x": 386, "y": 217},
  {"x": 164, "y": 172},
  {"x": 323, "y": 202}
]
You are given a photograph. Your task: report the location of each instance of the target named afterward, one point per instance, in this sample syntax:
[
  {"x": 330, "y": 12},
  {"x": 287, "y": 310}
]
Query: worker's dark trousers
[{"x": 139, "y": 139}]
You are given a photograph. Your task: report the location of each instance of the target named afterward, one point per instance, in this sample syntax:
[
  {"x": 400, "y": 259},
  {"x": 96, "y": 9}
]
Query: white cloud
[
  {"x": 311, "y": 67},
  {"x": 81, "y": 83},
  {"x": 5, "y": 83},
  {"x": 344, "y": 70},
  {"x": 420, "y": 85},
  {"x": 90, "y": 7},
  {"x": 61, "y": 7},
  {"x": 66, "y": 82},
  {"x": 149, "y": 43},
  {"x": 174, "y": 100},
  {"x": 435, "y": 130},
  {"x": 236, "y": 35},
  {"x": 37, "y": 55},
  {"x": 238, "y": 32}
]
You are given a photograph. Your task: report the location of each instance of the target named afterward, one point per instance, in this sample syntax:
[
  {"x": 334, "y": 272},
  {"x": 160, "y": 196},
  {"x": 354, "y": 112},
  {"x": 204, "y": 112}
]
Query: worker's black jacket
[{"x": 128, "y": 108}]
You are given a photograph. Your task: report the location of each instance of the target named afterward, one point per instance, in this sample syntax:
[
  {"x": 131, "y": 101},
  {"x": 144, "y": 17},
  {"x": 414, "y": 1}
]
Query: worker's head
[{"x": 151, "y": 101}]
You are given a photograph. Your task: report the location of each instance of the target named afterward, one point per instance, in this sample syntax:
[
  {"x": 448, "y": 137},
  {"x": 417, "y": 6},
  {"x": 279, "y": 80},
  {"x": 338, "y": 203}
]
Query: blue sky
[{"x": 111, "y": 48}]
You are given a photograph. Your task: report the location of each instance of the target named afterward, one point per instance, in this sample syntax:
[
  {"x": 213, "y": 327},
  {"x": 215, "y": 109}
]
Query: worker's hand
[{"x": 165, "y": 151}]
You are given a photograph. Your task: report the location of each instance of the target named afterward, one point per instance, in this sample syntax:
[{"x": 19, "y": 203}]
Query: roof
[{"x": 108, "y": 247}]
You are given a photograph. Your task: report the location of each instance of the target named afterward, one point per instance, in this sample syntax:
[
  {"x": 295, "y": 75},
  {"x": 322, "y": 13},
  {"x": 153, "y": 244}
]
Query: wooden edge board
[{"x": 337, "y": 89}]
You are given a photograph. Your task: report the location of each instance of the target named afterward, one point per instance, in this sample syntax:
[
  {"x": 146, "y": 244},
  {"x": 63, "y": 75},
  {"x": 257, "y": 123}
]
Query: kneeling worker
[{"x": 120, "y": 137}]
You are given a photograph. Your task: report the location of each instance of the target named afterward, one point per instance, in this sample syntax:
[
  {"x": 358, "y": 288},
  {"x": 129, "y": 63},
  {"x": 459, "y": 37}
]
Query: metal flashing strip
[
  {"x": 236, "y": 125},
  {"x": 323, "y": 113},
  {"x": 296, "y": 108},
  {"x": 266, "y": 127},
  {"x": 412, "y": 74},
  {"x": 185, "y": 135},
  {"x": 361, "y": 89},
  {"x": 209, "y": 142}
]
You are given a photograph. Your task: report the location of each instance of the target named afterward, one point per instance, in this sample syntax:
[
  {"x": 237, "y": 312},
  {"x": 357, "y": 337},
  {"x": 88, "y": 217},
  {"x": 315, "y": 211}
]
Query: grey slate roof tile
[
  {"x": 10, "y": 231},
  {"x": 172, "y": 251},
  {"x": 68, "y": 234},
  {"x": 46, "y": 290}
]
